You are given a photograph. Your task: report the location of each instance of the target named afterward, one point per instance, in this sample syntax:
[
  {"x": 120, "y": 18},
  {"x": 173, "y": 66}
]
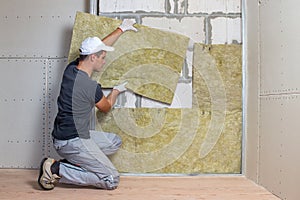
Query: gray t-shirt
[{"x": 77, "y": 98}]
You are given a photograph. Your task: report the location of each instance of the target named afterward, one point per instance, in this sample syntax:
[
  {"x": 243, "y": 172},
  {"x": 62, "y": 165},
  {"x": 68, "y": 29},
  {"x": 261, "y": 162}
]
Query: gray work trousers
[{"x": 91, "y": 166}]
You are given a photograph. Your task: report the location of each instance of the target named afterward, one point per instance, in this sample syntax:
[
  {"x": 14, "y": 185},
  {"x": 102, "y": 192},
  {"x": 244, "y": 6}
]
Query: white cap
[{"x": 93, "y": 45}]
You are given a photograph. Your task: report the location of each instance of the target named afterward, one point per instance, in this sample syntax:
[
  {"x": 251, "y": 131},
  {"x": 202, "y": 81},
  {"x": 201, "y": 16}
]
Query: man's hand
[
  {"x": 127, "y": 24},
  {"x": 121, "y": 87}
]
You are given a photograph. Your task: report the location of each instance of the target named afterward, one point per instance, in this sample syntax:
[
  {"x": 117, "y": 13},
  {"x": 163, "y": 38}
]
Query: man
[{"x": 84, "y": 151}]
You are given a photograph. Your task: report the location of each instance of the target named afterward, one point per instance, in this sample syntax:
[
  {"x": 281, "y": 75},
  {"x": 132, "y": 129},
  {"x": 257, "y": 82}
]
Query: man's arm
[
  {"x": 112, "y": 37},
  {"x": 106, "y": 103}
]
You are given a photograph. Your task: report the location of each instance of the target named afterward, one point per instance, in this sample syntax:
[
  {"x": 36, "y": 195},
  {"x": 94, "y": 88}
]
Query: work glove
[
  {"x": 121, "y": 87},
  {"x": 127, "y": 24}
]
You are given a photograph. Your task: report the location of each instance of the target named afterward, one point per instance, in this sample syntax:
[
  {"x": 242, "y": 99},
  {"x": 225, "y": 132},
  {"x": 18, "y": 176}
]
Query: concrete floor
[{"x": 22, "y": 184}]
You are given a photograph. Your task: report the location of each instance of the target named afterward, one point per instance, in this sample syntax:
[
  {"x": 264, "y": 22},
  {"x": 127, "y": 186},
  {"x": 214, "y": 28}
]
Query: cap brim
[
  {"x": 108, "y": 48},
  {"x": 100, "y": 48}
]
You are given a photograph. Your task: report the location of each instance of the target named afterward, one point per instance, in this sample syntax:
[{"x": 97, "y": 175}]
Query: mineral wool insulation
[{"x": 203, "y": 139}]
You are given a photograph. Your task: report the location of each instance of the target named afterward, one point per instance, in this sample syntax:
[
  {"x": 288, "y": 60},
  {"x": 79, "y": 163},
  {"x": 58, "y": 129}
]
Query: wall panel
[
  {"x": 23, "y": 114},
  {"x": 290, "y": 148},
  {"x": 33, "y": 28},
  {"x": 280, "y": 47},
  {"x": 279, "y": 95},
  {"x": 270, "y": 147},
  {"x": 55, "y": 71},
  {"x": 21, "y": 38},
  {"x": 279, "y": 145}
]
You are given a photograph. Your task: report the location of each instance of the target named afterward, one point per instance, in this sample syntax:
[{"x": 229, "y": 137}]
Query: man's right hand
[{"x": 121, "y": 87}]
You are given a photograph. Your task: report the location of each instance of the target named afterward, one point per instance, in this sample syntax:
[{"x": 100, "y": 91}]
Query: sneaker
[{"x": 46, "y": 179}]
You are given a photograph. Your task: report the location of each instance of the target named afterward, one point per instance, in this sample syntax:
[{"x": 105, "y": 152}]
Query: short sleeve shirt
[{"x": 77, "y": 98}]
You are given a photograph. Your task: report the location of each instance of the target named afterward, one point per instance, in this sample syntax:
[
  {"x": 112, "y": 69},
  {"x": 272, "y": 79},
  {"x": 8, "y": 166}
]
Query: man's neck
[{"x": 83, "y": 67}]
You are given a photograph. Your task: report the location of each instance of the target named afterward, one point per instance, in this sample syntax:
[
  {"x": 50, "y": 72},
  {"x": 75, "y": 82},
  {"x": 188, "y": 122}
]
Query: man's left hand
[{"x": 127, "y": 24}]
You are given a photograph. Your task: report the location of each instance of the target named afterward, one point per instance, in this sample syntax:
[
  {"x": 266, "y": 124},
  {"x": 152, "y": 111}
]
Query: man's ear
[{"x": 92, "y": 57}]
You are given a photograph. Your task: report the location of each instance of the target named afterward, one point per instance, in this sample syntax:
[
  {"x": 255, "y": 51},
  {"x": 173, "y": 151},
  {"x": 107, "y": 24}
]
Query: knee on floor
[{"x": 109, "y": 182}]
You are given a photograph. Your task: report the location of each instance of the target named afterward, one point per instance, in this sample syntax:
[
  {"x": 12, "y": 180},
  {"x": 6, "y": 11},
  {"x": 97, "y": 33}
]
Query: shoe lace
[{"x": 54, "y": 178}]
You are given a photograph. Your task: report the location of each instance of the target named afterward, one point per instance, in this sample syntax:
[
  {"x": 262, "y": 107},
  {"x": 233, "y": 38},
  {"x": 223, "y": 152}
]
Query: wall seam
[{"x": 258, "y": 98}]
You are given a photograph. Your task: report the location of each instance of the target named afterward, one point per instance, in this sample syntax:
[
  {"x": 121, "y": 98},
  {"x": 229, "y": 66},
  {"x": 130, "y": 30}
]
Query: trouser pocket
[
  {"x": 67, "y": 147},
  {"x": 58, "y": 144}
]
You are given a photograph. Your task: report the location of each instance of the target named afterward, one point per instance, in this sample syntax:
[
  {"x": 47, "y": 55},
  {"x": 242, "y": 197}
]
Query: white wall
[{"x": 272, "y": 62}]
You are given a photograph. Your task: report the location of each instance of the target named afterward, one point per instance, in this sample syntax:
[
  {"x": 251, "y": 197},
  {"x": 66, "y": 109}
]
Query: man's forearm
[
  {"x": 112, "y": 97},
  {"x": 112, "y": 37}
]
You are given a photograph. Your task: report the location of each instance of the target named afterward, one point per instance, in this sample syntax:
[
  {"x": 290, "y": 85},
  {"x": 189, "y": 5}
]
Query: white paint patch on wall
[
  {"x": 226, "y": 30},
  {"x": 192, "y": 27},
  {"x": 132, "y": 6},
  {"x": 209, "y": 6},
  {"x": 182, "y": 98},
  {"x": 189, "y": 59}
]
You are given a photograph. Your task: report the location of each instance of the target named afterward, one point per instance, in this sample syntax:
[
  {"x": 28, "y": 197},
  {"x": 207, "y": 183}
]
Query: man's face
[{"x": 99, "y": 61}]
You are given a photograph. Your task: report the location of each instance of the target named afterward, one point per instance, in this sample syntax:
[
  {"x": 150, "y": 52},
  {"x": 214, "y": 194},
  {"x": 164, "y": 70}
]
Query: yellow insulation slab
[{"x": 145, "y": 58}]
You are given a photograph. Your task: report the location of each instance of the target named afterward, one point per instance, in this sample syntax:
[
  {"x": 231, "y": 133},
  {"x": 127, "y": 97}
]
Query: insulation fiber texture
[{"x": 203, "y": 139}]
